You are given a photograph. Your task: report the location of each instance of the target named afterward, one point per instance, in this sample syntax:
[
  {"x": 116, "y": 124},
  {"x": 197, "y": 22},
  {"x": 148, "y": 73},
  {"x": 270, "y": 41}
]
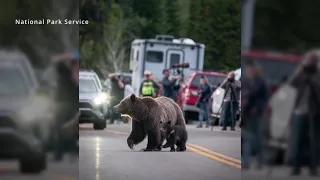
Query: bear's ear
[{"x": 133, "y": 97}]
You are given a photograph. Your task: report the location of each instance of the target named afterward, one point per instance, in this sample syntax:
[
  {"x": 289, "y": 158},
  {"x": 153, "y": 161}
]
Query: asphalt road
[
  {"x": 276, "y": 173},
  {"x": 104, "y": 155},
  {"x": 66, "y": 170}
]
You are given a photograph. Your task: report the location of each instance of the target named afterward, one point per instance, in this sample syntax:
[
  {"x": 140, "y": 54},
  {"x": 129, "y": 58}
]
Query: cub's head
[{"x": 166, "y": 128}]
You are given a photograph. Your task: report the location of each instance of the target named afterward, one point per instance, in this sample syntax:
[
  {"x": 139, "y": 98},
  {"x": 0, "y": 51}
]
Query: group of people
[
  {"x": 121, "y": 88},
  {"x": 168, "y": 87},
  {"x": 304, "y": 124}
]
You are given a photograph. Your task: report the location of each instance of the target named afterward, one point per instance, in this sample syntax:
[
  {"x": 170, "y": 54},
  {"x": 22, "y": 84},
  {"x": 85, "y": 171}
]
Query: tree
[
  {"x": 216, "y": 24},
  {"x": 286, "y": 25},
  {"x": 154, "y": 13},
  {"x": 173, "y": 12},
  {"x": 194, "y": 20},
  {"x": 89, "y": 54},
  {"x": 112, "y": 46}
]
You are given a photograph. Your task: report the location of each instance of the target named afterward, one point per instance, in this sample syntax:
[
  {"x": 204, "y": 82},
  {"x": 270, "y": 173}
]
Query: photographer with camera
[
  {"x": 169, "y": 85},
  {"x": 203, "y": 101},
  {"x": 117, "y": 92},
  {"x": 305, "y": 120},
  {"x": 230, "y": 101},
  {"x": 67, "y": 68},
  {"x": 254, "y": 101}
]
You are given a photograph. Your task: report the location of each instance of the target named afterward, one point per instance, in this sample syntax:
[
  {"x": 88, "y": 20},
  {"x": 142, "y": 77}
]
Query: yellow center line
[
  {"x": 63, "y": 177},
  {"x": 117, "y": 132},
  {"x": 215, "y": 153},
  {"x": 214, "y": 157},
  {"x": 202, "y": 151}
]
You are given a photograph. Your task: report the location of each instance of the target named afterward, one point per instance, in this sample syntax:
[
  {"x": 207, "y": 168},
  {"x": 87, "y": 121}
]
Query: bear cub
[{"x": 174, "y": 135}]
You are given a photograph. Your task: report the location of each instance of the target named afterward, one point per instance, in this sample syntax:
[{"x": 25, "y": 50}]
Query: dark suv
[
  {"x": 24, "y": 126},
  {"x": 93, "y": 103}
]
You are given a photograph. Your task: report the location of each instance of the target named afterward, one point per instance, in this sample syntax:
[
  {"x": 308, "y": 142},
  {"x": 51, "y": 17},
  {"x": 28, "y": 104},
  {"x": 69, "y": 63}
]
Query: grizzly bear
[
  {"x": 147, "y": 113},
  {"x": 175, "y": 135}
]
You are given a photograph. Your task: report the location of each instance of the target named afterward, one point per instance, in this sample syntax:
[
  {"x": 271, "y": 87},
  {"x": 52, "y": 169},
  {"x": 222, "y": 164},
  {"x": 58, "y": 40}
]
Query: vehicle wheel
[
  {"x": 100, "y": 126},
  {"x": 40, "y": 134},
  {"x": 186, "y": 117},
  {"x": 34, "y": 164},
  {"x": 124, "y": 120},
  {"x": 51, "y": 143}
]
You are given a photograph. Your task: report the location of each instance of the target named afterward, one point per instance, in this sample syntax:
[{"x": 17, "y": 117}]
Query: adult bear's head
[{"x": 134, "y": 106}]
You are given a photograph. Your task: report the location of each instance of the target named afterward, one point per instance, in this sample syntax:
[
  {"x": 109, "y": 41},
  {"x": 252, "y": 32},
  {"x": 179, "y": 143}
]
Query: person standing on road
[
  {"x": 148, "y": 87},
  {"x": 230, "y": 101},
  {"x": 203, "y": 101},
  {"x": 117, "y": 92},
  {"x": 127, "y": 88},
  {"x": 67, "y": 97},
  {"x": 305, "y": 121},
  {"x": 169, "y": 85},
  {"x": 254, "y": 104}
]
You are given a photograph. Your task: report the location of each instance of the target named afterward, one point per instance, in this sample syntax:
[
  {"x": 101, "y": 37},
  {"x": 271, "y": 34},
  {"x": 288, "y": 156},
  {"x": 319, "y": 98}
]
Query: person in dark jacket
[
  {"x": 117, "y": 92},
  {"x": 305, "y": 120},
  {"x": 203, "y": 101},
  {"x": 168, "y": 86},
  {"x": 254, "y": 104},
  {"x": 67, "y": 98},
  {"x": 230, "y": 101}
]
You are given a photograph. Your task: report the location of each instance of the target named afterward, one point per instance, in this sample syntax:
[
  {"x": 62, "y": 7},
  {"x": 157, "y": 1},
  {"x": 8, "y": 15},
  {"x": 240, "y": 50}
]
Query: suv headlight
[
  {"x": 35, "y": 109},
  {"x": 101, "y": 98}
]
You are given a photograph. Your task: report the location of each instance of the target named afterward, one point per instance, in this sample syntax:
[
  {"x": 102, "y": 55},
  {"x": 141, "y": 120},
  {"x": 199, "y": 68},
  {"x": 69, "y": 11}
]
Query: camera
[
  {"x": 230, "y": 79},
  {"x": 178, "y": 68},
  {"x": 183, "y": 65}
]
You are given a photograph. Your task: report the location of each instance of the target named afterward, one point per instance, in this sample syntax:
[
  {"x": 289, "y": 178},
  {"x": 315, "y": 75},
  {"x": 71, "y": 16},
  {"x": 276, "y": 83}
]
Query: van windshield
[{"x": 274, "y": 70}]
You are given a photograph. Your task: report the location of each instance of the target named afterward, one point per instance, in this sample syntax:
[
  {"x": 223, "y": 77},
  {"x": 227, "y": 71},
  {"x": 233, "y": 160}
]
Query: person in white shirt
[{"x": 127, "y": 88}]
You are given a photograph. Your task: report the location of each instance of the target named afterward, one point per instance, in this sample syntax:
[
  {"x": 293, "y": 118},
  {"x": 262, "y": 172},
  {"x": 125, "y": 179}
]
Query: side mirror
[
  {"x": 284, "y": 79},
  {"x": 105, "y": 89}
]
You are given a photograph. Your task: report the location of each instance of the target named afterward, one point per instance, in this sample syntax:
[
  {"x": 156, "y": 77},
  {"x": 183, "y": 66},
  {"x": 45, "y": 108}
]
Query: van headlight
[{"x": 101, "y": 98}]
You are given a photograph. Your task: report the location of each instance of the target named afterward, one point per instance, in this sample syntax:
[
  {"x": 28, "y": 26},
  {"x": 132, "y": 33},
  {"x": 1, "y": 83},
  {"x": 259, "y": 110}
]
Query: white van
[
  {"x": 218, "y": 95},
  {"x": 161, "y": 53}
]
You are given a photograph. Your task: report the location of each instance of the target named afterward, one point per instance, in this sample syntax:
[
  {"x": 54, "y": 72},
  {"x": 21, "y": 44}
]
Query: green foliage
[
  {"x": 288, "y": 25},
  {"x": 215, "y": 23},
  {"x": 173, "y": 13},
  {"x": 107, "y": 52}
]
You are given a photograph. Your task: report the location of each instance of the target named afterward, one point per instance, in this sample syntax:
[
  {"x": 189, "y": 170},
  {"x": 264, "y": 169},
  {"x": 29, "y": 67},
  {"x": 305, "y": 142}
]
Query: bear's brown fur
[{"x": 147, "y": 113}]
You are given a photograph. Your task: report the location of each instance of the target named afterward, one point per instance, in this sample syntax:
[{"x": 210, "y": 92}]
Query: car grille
[
  {"x": 85, "y": 115},
  {"x": 6, "y": 122},
  {"x": 85, "y": 105}
]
